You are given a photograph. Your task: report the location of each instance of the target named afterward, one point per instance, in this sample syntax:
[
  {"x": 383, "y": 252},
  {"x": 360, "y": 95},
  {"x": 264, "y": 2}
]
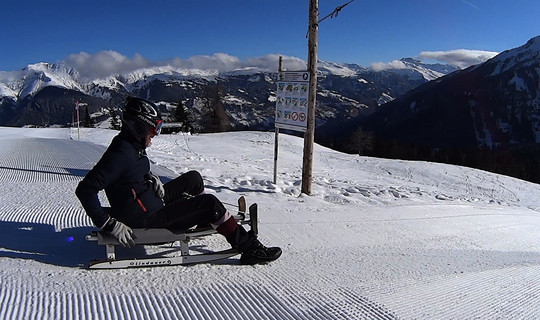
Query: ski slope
[{"x": 377, "y": 239}]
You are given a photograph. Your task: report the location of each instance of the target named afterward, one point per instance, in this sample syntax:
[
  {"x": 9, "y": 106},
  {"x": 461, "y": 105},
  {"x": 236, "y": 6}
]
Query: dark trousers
[{"x": 185, "y": 204}]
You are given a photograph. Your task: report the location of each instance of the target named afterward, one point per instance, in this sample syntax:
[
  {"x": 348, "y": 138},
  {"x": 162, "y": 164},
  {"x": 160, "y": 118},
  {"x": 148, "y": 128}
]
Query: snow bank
[{"x": 378, "y": 239}]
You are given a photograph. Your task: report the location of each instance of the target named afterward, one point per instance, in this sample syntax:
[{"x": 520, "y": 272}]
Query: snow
[
  {"x": 415, "y": 69},
  {"x": 336, "y": 69},
  {"x": 524, "y": 56},
  {"x": 519, "y": 83},
  {"x": 230, "y": 99},
  {"x": 384, "y": 98},
  {"x": 377, "y": 239}
]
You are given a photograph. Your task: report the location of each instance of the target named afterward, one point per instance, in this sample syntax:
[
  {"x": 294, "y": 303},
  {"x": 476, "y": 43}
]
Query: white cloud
[
  {"x": 271, "y": 62},
  {"x": 221, "y": 62},
  {"x": 395, "y": 64},
  {"x": 462, "y": 58},
  {"x": 106, "y": 63}
]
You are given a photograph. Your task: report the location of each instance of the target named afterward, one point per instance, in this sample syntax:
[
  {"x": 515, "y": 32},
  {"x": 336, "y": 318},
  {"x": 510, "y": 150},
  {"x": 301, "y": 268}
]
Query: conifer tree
[
  {"x": 115, "y": 120},
  {"x": 88, "y": 121}
]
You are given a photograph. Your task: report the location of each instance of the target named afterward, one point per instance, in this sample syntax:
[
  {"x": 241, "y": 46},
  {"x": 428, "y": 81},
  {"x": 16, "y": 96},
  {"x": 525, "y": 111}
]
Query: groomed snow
[{"x": 377, "y": 239}]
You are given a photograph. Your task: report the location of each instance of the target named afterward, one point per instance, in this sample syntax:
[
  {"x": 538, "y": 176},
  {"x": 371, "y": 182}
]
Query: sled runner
[{"x": 161, "y": 236}]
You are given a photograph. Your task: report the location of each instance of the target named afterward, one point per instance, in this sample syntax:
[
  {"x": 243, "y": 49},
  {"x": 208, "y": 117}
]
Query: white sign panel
[{"x": 292, "y": 100}]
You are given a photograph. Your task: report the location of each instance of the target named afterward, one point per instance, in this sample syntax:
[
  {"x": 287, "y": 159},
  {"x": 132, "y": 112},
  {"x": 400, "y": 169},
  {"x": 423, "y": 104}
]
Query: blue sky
[{"x": 365, "y": 32}]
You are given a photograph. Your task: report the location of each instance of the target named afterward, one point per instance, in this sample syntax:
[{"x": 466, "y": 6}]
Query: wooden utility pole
[
  {"x": 77, "y": 104},
  {"x": 309, "y": 137}
]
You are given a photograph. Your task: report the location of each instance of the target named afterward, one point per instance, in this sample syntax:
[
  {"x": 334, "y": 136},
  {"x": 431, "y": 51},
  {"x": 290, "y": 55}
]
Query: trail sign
[{"x": 292, "y": 100}]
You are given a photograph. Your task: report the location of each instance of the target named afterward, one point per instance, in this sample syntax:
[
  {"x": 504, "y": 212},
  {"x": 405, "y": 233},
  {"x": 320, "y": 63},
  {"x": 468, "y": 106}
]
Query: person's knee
[
  {"x": 193, "y": 175},
  {"x": 214, "y": 208},
  {"x": 195, "y": 181}
]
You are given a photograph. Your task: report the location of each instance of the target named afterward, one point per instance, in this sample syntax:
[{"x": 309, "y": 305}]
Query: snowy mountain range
[
  {"x": 45, "y": 94},
  {"x": 486, "y": 116}
]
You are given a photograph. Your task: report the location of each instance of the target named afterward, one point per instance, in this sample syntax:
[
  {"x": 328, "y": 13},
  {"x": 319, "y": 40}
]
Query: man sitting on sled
[{"x": 138, "y": 199}]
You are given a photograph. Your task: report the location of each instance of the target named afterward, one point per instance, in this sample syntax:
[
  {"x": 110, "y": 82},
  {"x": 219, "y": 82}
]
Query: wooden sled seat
[
  {"x": 161, "y": 236},
  {"x": 148, "y": 236}
]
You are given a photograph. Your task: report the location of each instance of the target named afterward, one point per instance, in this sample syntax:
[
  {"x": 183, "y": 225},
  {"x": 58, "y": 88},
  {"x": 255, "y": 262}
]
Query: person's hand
[
  {"x": 123, "y": 233},
  {"x": 157, "y": 185}
]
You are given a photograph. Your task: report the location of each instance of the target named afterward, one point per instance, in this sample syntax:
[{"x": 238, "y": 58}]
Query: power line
[
  {"x": 332, "y": 14},
  {"x": 335, "y": 12}
]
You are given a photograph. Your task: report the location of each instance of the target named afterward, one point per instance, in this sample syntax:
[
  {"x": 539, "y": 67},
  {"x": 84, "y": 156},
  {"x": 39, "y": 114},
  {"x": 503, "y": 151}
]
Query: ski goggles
[{"x": 158, "y": 126}]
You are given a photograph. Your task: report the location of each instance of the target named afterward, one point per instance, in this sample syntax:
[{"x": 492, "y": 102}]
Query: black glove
[
  {"x": 123, "y": 233},
  {"x": 157, "y": 185}
]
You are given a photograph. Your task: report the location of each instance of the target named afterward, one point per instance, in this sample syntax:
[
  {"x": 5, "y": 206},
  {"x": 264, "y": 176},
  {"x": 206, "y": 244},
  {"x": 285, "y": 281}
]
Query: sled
[{"x": 162, "y": 236}]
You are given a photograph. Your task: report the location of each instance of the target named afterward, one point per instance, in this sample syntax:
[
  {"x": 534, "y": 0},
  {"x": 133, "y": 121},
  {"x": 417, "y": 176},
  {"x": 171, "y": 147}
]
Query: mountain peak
[
  {"x": 411, "y": 60},
  {"x": 524, "y": 56},
  {"x": 533, "y": 41}
]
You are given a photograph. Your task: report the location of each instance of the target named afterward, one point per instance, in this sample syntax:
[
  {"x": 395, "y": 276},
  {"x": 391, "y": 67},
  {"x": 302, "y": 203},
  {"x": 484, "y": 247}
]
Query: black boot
[
  {"x": 253, "y": 251},
  {"x": 258, "y": 253}
]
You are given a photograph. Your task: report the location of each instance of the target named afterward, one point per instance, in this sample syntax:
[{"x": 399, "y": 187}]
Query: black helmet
[{"x": 139, "y": 115}]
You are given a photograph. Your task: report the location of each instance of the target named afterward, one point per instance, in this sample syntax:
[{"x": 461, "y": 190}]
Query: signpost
[
  {"x": 292, "y": 100},
  {"x": 291, "y": 104},
  {"x": 295, "y": 101},
  {"x": 77, "y": 107}
]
